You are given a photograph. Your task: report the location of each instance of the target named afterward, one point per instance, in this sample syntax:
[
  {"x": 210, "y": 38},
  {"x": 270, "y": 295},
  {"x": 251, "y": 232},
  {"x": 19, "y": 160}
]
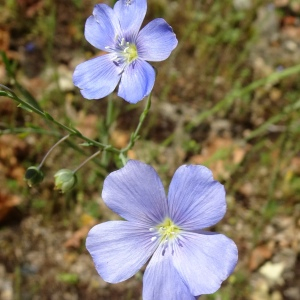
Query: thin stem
[
  {"x": 87, "y": 160},
  {"x": 123, "y": 158},
  {"x": 50, "y": 150},
  {"x": 53, "y": 133},
  {"x": 135, "y": 134},
  {"x": 109, "y": 113},
  {"x": 6, "y": 88},
  {"x": 28, "y": 130},
  {"x": 108, "y": 121},
  {"x": 72, "y": 131},
  {"x": 47, "y": 116},
  {"x": 229, "y": 99}
]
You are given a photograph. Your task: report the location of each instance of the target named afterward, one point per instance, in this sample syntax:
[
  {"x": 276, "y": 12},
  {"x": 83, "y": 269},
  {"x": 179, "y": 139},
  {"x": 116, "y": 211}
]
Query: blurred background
[{"x": 228, "y": 97}]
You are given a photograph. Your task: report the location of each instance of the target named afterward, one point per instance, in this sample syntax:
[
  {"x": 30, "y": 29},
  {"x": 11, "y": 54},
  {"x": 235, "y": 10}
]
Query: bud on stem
[
  {"x": 33, "y": 176},
  {"x": 65, "y": 180}
]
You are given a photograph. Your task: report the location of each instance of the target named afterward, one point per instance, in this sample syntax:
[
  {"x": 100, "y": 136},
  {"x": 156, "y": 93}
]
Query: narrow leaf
[{"x": 24, "y": 107}]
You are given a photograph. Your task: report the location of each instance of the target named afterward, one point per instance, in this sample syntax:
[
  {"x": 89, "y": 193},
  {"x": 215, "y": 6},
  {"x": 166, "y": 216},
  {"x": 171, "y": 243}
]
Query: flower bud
[
  {"x": 65, "y": 180},
  {"x": 33, "y": 176}
]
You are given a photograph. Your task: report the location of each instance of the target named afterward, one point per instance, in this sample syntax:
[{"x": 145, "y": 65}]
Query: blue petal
[
  {"x": 131, "y": 14},
  {"x": 97, "y": 77},
  {"x": 195, "y": 200},
  {"x": 162, "y": 281},
  {"x": 102, "y": 28},
  {"x": 119, "y": 249},
  {"x": 156, "y": 41},
  {"x": 137, "y": 81},
  {"x": 205, "y": 260},
  {"x": 136, "y": 193}
]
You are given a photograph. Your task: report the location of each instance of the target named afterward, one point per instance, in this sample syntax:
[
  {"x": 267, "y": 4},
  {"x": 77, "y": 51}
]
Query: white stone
[{"x": 273, "y": 271}]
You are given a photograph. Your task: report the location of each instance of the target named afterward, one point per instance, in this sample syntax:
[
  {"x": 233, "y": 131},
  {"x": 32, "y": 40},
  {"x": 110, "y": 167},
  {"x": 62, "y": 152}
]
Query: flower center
[
  {"x": 168, "y": 230},
  {"x": 168, "y": 233},
  {"x": 124, "y": 52},
  {"x": 130, "y": 52}
]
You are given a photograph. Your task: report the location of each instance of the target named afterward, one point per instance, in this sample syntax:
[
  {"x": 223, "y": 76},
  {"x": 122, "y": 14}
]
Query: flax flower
[
  {"x": 186, "y": 261},
  {"x": 117, "y": 31}
]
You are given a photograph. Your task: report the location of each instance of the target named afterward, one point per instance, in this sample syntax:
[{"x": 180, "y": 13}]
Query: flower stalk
[
  {"x": 51, "y": 149},
  {"x": 87, "y": 160},
  {"x": 46, "y": 116},
  {"x": 74, "y": 132},
  {"x": 34, "y": 175},
  {"x": 66, "y": 179},
  {"x": 135, "y": 135}
]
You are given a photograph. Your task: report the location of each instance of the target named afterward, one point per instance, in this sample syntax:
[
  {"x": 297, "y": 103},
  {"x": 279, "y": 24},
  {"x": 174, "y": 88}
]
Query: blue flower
[
  {"x": 116, "y": 31},
  {"x": 186, "y": 260}
]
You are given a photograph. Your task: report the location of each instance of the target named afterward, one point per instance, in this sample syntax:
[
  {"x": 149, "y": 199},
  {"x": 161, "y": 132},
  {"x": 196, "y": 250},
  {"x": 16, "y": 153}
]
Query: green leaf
[
  {"x": 86, "y": 144},
  {"x": 76, "y": 131},
  {"x": 28, "y": 96},
  {"x": 24, "y": 107},
  {"x": 9, "y": 93},
  {"x": 4, "y": 94},
  {"x": 48, "y": 116},
  {"x": 6, "y": 63}
]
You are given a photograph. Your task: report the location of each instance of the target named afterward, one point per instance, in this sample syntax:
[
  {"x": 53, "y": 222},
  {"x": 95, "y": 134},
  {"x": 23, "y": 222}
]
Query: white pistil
[
  {"x": 123, "y": 52},
  {"x": 169, "y": 234}
]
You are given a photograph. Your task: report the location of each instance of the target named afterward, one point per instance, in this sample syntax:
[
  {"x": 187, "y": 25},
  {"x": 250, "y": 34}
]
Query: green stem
[
  {"x": 109, "y": 113},
  {"x": 108, "y": 121},
  {"x": 123, "y": 158},
  {"x": 50, "y": 150},
  {"x": 47, "y": 116},
  {"x": 53, "y": 133},
  {"x": 72, "y": 131},
  {"x": 87, "y": 160},
  {"x": 239, "y": 93},
  {"x": 135, "y": 135},
  {"x": 28, "y": 130}
]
